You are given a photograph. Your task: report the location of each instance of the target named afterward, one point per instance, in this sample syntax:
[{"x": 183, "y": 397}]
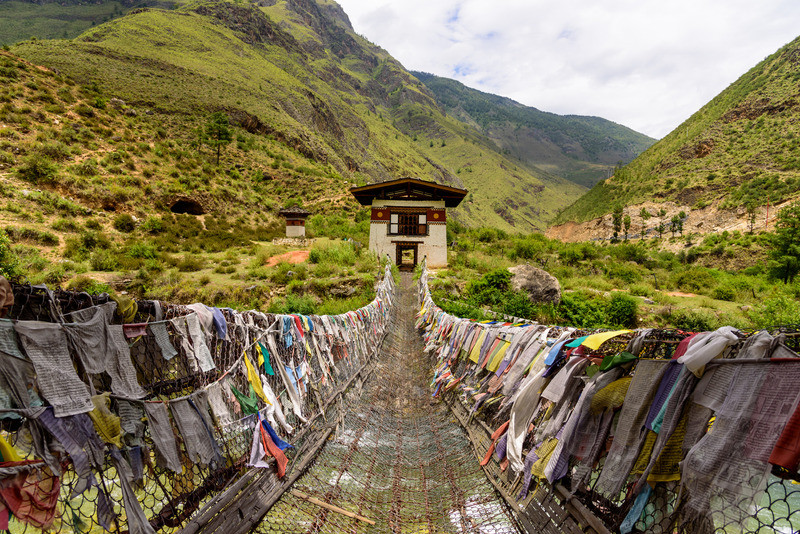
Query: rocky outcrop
[{"x": 540, "y": 285}]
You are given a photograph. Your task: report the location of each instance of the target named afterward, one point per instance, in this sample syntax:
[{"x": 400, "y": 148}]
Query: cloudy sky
[{"x": 646, "y": 64}]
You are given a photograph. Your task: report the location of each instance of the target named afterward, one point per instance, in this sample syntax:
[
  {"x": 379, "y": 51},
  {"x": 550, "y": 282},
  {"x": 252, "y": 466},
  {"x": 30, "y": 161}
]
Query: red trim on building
[
  {"x": 381, "y": 214},
  {"x": 437, "y": 216}
]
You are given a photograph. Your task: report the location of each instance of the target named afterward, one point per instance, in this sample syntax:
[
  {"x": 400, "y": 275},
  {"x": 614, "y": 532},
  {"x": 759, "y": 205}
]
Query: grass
[
  {"x": 342, "y": 132},
  {"x": 593, "y": 275}
]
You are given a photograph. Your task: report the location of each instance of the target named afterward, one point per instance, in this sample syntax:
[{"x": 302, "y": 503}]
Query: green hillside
[
  {"x": 740, "y": 149},
  {"x": 581, "y": 149},
  {"x": 296, "y": 72},
  {"x": 61, "y": 19}
]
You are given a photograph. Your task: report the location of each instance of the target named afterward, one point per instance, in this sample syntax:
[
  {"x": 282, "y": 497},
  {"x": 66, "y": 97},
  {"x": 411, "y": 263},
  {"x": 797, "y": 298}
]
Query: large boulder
[{"x": 540, "y": 285}]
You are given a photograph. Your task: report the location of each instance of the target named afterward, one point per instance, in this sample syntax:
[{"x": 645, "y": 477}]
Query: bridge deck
[{"x": 398, "y": 459}]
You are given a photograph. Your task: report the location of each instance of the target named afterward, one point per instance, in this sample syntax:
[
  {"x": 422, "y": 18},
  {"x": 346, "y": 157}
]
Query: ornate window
[{"x": 408, "y": 224}]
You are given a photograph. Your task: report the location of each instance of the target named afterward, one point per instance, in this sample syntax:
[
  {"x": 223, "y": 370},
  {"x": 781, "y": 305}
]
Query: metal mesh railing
[
  {"x": 132, "y": 474},
  {"x": 659, "y": 502},
  {"x": 398, "y": 463}
]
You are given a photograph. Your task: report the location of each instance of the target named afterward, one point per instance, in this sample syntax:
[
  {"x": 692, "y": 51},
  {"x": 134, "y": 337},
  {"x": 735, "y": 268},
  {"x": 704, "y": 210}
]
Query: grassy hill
[
  {"x": 581, "y": 149},
  {"x": 740, "y": 149},
  {"x": 296, "y": 72},
  {"x": 61, "y": 19}
]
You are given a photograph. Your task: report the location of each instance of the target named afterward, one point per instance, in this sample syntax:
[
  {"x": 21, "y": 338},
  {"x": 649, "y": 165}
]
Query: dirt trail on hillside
[{"x": 294, "y": 256}]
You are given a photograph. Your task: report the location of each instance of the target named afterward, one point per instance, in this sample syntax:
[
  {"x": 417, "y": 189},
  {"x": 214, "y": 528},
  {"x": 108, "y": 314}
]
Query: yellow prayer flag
[
  {"x": 595, "y": 340},
  {"x": 476, "y": 349},
  {"x": 9, "y": 453},
  {"x": 494, "y": 363},
  {"x": 255, "y": 380}
]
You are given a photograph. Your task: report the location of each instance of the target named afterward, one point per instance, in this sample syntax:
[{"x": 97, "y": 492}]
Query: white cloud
[{"x": 643, "y": 63}]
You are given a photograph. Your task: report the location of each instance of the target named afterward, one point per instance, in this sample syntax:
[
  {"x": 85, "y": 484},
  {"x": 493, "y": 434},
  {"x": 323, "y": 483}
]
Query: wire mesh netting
[
  {"x": 106, "y": 470},
  {"x": 399, "y": 462},
  {"x": 625, "y": 431}
]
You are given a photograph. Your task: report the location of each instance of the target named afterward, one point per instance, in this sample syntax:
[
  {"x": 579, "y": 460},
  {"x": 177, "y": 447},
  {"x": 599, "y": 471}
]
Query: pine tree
[
  {"x": 644, "y": 215},
  {"x": 785, "y": 252},
  {"x": 616, "y": 220},
  {"x": 217, "y": 132}
]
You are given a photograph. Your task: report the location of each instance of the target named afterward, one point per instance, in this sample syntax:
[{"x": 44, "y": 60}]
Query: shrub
[
  {"x": 66, "y": 225},
  {"x": 190, "y": 263},
  {"x": 776, "y": 311},
  {"x": 9, "y": 261},
  {"x": 344, "y": 253},
  {"x": 527, "y": 250},
  {"x": 286, "y": 272},
  {"x": 623, "y": 272},
  {"x": 490, "y": 288},
  {"x": 37, "y": 170},
  {"x": 84, "y": 111},
  {"x": 87, "y": 167},
  {"x": 31, "y": 234},
  {"x": 78, "y": 248},
  {"x": 583, "y": 309},
  {"x": 302, "y": 304},
  {"x": 142, "y": 250},
  {"x": 89, "y": 285},
  {"x": 693, "y": 279},
  {"x": 623, "y": 310},
  {"x": 124, "y": 223},
  {"x": 724, "y": 292},
  {"x": 56, "y": 151},
  {"x": 103, "y": 260},
  {"x": 693, "y": 320},
  {"x": 153, "y": 225}
]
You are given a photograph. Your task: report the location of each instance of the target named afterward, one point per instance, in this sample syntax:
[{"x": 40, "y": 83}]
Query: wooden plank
[{"x": 313, "y": 500}]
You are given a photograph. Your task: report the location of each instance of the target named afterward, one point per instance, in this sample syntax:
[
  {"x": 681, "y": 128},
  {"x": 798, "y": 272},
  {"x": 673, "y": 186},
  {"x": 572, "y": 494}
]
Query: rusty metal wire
[
  {"x": 398, "y": 458},
  {"x": 168, "y": 499}
]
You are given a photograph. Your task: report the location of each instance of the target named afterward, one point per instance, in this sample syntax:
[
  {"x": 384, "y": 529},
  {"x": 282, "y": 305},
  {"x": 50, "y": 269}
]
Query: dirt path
[{"x": 294, "y": 256}]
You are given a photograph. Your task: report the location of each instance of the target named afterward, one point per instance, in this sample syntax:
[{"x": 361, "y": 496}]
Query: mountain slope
[
  {"x": 579, "y": 148},
  {"x": 740, "y": 149},
  {"x": 61, "y": 19},
  {"x": 296, "y": 71}
]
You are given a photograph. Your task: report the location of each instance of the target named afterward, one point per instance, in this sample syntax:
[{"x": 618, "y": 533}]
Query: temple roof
[
  {"x": 294, "y": 211},
  {"x": 409, "y": 189}
]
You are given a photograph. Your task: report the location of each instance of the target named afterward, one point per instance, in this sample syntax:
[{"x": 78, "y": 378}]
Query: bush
[
  {"x": 142, "y": 250},
  {"x": 66, "y": 225},
  {"x": 693, "y": 320},
  {"x": 190, "y": 263},
  {"x": 776, "y": 311},
  {"x": 583, "y": 309},
  {"x": 31, "y": 234},
  {"x": 301, "y": 304},
  {"x": 37, "y": 170},
  {"x": 9, "y": 262},
  {"x": 527, "y": 250},
  {"x": 623, "y": 310},
  {"x": 56, "y": 151},
  {"x": 124, "y": 223},
  {"x": 89, "y": 285},
  {"x": 628, "y": 274},
  {"x": 344, "y": 253},
  {"x": 153, "y": 225},
  {"x": 490, "y": 289},
  {"x": 693, "y": 279},
  {"x": 87, "y": 167},
  {"x": 724, "y": 292},
  {"x": 286, "y": 272},
  {"x": 78, "y": 248},
  {"x": 103, "y": 260}
]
